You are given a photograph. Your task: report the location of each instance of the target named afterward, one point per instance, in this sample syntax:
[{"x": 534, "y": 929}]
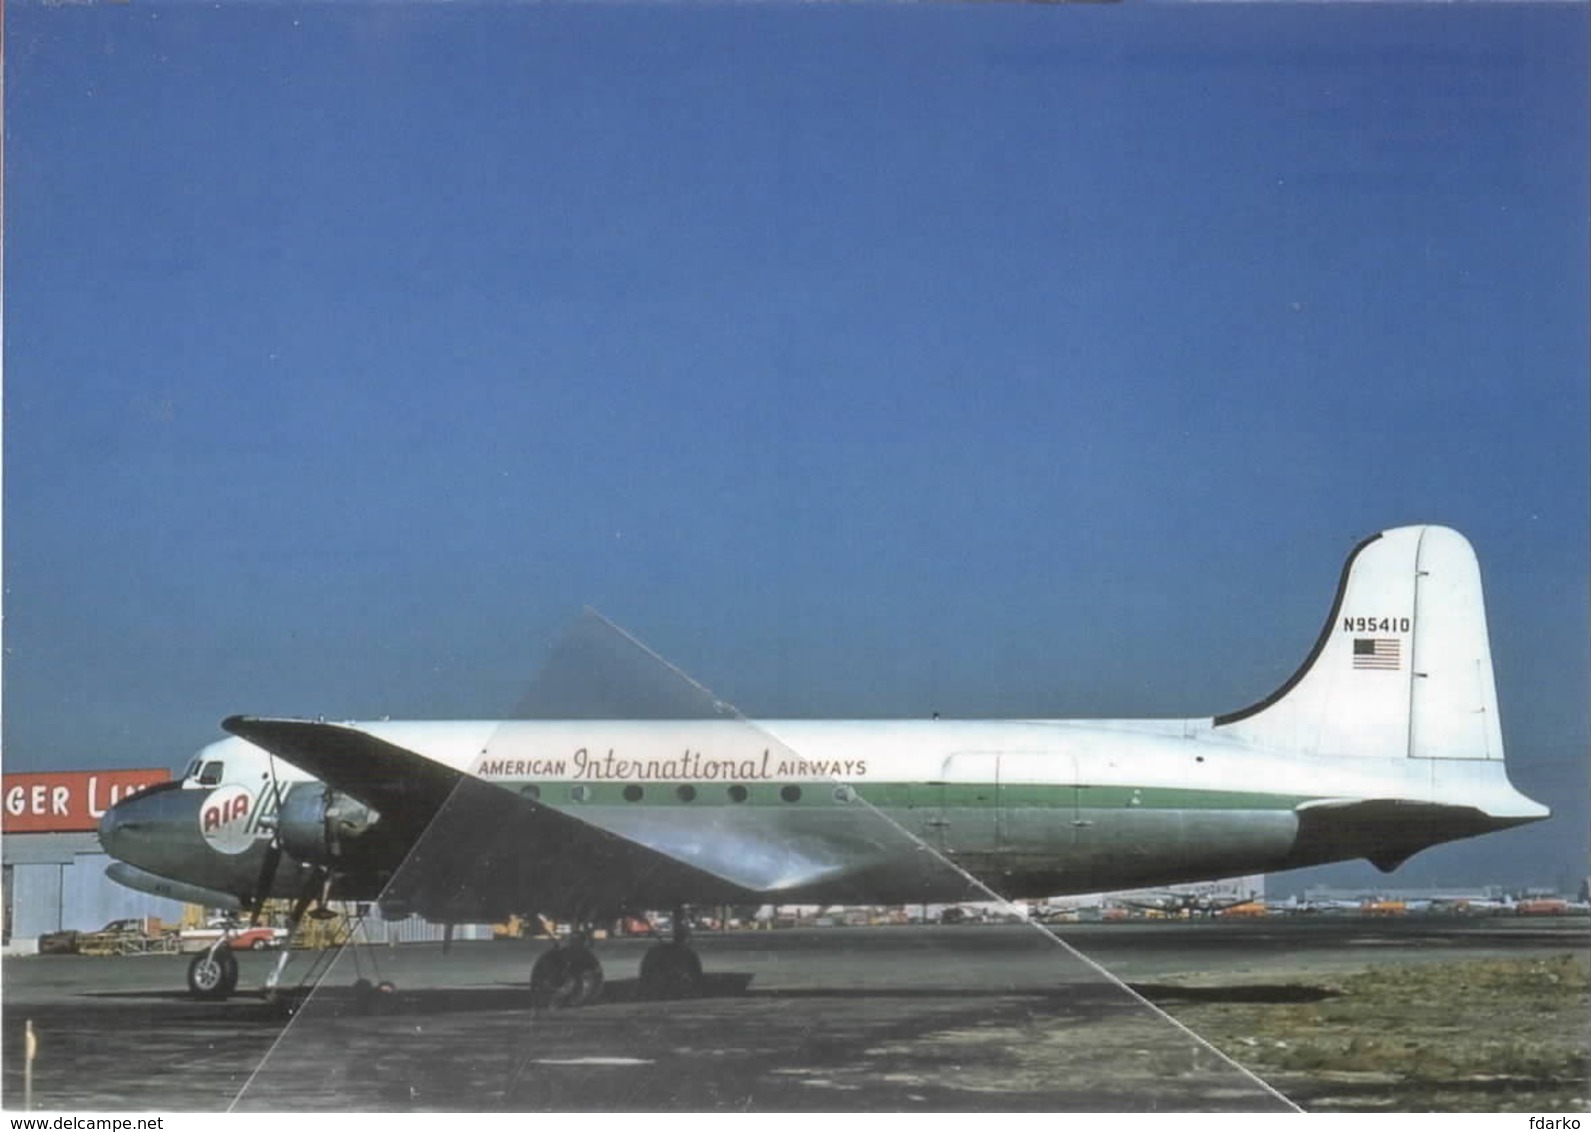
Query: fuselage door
[
  {"x": 969, "y": 805},
  {"x": 1042, "y": 811}
]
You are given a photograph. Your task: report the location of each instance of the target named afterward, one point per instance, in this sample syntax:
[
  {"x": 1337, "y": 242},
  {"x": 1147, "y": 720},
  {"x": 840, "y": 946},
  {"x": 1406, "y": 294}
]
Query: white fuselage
[{"x": 1028, "y": 807}]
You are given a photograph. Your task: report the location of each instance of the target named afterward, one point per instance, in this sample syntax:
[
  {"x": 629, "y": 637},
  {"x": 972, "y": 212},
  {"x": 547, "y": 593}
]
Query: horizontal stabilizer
[{"x": 1386, "y": 831}]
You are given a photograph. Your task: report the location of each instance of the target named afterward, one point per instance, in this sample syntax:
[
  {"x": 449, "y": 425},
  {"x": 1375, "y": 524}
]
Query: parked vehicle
[
  {"x": 240, "y": 937},
  {"x": 58, "y": 943},
  {"x": 118, "y": 937}
]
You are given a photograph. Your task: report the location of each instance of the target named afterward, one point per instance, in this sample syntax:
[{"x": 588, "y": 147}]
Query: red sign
[{"x": 68, "y": 801}]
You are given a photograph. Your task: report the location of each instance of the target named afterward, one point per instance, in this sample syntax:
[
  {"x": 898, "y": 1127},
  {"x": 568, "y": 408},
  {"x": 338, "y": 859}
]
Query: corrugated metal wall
[
  {"x": 90, "y": 899},
  {"x": 35, "y": 900},
  {"x": 56, "y": 888},
  {"x": 77, "y": 897},
  {"x": 416, "y": 930}
]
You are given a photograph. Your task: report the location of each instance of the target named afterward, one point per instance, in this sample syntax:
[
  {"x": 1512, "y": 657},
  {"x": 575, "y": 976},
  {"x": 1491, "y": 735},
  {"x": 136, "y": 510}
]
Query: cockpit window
[
  {"x": 211, "y": 774},
  {"x": 193, "y": 769}
]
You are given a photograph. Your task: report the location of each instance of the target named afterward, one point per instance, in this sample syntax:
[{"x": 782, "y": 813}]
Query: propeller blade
[
  {"x": 267, "y": 879},
  {"x": 273, "y": 851}
]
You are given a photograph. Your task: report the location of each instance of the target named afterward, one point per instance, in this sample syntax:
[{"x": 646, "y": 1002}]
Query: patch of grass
[{"x": 1489, "y": 1035}]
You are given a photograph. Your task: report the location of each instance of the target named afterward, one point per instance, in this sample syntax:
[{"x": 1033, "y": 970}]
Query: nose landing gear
[{"x": 213, "y": 973}]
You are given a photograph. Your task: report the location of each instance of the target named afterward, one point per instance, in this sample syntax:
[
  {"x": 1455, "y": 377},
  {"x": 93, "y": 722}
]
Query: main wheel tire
[
  {"x": 565, "y": 977},
  {"x": 588, "y": 974},
  {"x": 212, "y": 975},
  {"x": 554, "y": 982},
  {"x": 670, "y": 970},
  {"x": 373, "y": 998}
]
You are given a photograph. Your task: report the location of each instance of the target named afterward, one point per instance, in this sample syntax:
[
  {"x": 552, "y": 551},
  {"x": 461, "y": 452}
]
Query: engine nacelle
[{"x": 320, "y": 825}]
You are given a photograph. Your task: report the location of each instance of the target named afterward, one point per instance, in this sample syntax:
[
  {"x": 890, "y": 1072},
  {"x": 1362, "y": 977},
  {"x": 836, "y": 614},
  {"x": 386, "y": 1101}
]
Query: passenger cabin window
[{"x": 211, "y": 774}]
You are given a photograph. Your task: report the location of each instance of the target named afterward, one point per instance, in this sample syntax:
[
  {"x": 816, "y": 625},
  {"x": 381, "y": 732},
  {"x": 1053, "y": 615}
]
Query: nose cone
[
  {"x": 161, "y": 834},
  {"x": 111, "y": 825},
  {"x": 128, "y": 830}
]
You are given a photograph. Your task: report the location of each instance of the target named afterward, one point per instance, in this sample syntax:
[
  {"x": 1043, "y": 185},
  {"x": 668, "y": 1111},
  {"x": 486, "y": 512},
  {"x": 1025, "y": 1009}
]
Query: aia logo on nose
[{"x": 224, "y": 819}]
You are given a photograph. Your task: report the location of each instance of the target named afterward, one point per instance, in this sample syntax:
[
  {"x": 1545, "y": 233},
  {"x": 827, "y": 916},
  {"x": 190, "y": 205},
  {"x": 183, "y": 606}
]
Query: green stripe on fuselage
[{"x": 898, "y": 795}]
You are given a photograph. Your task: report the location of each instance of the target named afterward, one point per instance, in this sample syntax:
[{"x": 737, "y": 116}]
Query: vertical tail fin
[{"x": 1403, "y": 666}]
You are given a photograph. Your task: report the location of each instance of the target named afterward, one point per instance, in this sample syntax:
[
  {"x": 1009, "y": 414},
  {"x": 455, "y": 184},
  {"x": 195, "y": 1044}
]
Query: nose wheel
[{"x": 213, "y": 974}]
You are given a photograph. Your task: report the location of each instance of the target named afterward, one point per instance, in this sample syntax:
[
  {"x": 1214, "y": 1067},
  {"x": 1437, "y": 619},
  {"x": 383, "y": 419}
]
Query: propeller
[{"x": 273, "y": 852}]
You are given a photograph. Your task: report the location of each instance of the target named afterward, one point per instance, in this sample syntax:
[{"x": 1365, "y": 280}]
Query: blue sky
[{"x": 864, "y": 360}]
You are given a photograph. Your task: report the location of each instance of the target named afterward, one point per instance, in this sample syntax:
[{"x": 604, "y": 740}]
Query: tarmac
[{"x": 902, "y": 1018}]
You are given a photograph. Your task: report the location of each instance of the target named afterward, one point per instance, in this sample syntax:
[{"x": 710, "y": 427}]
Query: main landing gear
[
  {"x": 570, "y": 974},
  {"x": 672, "y": 969}
]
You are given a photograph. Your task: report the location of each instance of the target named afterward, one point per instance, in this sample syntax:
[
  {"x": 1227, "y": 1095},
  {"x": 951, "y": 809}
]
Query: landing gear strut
[
  {"x": 319, "y": 881},
  {"x": 672, "y": 969},
  {"x": 569, "y": 975}
]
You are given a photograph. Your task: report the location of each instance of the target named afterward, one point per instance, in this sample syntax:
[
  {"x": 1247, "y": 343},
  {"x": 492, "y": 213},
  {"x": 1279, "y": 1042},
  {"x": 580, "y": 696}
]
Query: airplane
[
  {"x": 1181, "y": 904},
  {"x": 1385, "y": 741},
  {"x": 1294, "y": 904}
]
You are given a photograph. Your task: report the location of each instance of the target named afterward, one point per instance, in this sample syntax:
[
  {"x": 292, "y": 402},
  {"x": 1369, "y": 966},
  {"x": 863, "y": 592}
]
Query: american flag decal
[{"x": 1376, "y": 652}]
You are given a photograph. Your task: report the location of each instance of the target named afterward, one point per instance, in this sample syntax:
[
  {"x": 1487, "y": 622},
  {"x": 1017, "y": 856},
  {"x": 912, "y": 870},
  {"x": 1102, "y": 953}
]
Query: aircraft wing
[
  {"x": 479, "y": 848},
  {"x": 404, "y": 787}
]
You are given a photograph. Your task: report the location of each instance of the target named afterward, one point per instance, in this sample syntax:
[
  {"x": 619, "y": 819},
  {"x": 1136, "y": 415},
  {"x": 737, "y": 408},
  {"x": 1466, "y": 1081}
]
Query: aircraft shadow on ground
[
  {"x": 343, "y": 999},
  {"x": 1270, "y": 994},
  {"x": 338, "y": 1000}
]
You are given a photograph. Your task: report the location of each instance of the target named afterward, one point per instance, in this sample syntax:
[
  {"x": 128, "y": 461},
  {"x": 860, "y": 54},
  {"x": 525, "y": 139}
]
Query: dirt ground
[{"x": 1484, "y": 1035}]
